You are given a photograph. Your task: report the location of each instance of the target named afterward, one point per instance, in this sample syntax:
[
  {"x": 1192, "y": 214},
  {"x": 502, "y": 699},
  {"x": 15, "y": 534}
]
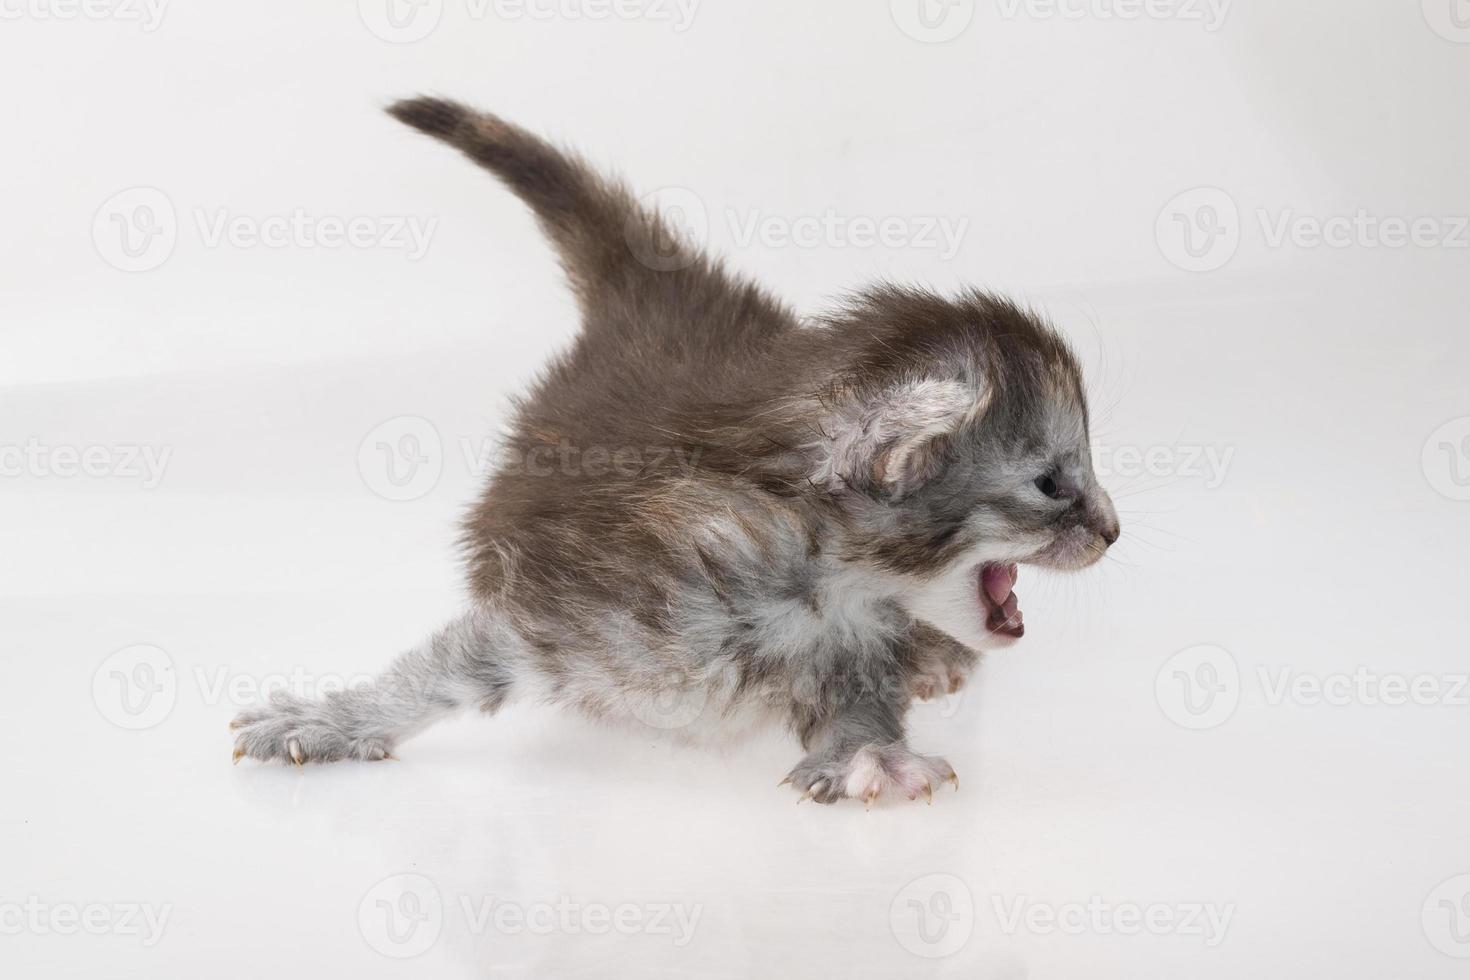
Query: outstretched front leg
[{"x": 854, "y": 736}]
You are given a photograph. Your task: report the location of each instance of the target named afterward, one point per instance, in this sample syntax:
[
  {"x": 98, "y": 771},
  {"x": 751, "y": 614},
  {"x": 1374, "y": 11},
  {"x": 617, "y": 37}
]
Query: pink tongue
[{"x": 998, "y": 581}]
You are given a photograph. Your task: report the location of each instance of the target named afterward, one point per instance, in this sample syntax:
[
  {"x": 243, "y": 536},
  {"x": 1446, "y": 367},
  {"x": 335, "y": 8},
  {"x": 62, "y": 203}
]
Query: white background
[{"x": 1137, "y": 752}]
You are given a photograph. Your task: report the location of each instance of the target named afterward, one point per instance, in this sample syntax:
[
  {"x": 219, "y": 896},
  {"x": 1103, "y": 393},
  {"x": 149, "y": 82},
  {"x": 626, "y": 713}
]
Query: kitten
[{"x": 706, "y": 505}]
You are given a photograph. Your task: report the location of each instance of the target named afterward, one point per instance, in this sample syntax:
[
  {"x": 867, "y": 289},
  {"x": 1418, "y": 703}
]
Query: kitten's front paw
[
  {"x": 936, "y": 680},
  {"x": 292, "y": 729},
  {"x": 871, "y": 773},
  {"x": 940, "y": 663}
]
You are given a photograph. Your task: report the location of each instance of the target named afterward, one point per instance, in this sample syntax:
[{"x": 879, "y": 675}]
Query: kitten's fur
[{"x": 707, "y": 505}]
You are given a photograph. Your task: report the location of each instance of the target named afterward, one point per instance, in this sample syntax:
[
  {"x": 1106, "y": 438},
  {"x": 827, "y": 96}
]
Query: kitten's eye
[{"x": 1048, "y": 486}]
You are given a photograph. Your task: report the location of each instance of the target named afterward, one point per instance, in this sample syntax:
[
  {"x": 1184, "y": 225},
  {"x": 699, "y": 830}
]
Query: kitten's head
[{"x": 957, "y": 445}]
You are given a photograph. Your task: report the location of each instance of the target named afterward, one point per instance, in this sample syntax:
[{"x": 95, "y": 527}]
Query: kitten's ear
[{"x": 896, "y": 440}]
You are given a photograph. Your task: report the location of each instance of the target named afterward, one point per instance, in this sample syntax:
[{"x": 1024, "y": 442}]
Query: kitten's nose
[{"x": 1102, "y": 518}]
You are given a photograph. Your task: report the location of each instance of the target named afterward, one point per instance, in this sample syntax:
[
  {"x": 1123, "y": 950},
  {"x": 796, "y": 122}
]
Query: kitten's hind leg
[{"x": 463, "y": 665}]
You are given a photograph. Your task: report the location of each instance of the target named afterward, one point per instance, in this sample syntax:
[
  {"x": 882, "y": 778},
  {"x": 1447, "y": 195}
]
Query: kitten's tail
[{"x": 605, "y": 237}]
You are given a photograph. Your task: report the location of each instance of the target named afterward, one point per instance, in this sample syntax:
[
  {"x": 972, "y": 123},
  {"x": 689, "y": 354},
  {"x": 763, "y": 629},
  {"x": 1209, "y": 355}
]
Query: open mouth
[{"x": 998, "y": 599}]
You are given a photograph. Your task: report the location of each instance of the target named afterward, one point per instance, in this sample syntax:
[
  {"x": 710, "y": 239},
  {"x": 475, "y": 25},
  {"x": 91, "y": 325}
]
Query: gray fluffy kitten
[{"x": 816, "y": 521}]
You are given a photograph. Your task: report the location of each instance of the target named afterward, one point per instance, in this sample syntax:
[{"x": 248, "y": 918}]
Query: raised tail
[
  {"x": 601, "y": 231},
  {"x": 630, "y": 268}
]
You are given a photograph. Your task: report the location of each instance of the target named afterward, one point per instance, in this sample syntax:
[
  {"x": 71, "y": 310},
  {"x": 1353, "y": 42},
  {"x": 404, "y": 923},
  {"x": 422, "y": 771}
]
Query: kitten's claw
[
  {"x": 870, "y": 774},
  {"x": 298, "y": 730},
  {"x": 937, "y": 678}
]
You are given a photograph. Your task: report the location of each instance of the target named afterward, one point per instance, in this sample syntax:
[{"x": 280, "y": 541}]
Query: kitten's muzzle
[{"x": 1093, "y": 528}]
